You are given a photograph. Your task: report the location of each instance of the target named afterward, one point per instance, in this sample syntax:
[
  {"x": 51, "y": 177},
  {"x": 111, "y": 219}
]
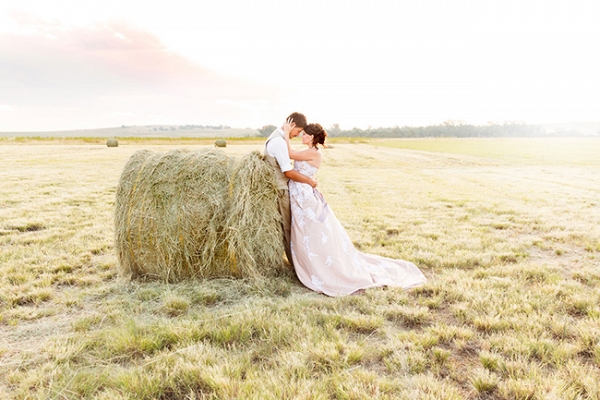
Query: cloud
[
  {"x": 28, "y": 20},
  {"x": 117, "y": 73}
]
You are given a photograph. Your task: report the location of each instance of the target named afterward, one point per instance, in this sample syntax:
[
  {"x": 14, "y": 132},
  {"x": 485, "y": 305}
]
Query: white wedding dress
[{"x": 324, "y": 257}]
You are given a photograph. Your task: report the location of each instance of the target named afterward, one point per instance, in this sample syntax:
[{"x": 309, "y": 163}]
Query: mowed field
[{"x": 507, "y": 231}]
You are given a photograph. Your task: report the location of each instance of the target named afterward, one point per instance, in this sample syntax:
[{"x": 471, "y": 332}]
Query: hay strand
[{"x": 201, "y": 214}]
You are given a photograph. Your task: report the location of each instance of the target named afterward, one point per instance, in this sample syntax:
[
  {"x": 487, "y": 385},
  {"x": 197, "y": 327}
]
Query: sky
[{"x": 83, "y": 64}]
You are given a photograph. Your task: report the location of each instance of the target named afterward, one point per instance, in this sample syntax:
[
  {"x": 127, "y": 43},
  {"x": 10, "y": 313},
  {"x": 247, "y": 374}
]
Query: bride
[{"x": 324, "y": 257}]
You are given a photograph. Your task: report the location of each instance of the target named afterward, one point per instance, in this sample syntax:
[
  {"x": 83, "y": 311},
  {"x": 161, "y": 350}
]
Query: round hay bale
[
  {"x": 254, "y": 235},
  {"x": 112, "y": 142},
  {"x": 200, "y": 214},
  {"x": 220, "y": 143}
]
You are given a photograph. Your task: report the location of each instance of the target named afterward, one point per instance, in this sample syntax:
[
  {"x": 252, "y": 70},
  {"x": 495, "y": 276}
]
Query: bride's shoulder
[
  {"x": 316, "y": 159},
  {"x": 318, "y": 154}
]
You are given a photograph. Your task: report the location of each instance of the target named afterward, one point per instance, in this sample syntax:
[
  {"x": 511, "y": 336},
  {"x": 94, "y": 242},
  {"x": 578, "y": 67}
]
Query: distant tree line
[
  {"x": 266, "y": 130},
  {"x": 184, "y": 127},
  {"x": 446, "y": 129},
  {"x": 204, "y": 127},
  {"x": 450, "y": 129}
]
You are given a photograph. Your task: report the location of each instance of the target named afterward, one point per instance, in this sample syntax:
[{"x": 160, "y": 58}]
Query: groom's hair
[{"x": 298, "y": 119}]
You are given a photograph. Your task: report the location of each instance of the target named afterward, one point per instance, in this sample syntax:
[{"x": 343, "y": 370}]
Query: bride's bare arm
[
  {"x": 303, "y": 155},
  {"x": 297, "y": 155}
]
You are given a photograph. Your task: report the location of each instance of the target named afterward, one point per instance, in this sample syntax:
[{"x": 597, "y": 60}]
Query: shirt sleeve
[{"x": 278, "y": 149}]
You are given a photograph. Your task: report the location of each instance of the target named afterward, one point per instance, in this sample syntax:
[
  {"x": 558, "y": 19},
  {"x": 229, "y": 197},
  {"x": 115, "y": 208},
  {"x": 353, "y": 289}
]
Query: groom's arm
[
  {"x": 278, "y": 149},
  {"x": 298, "y": 177}
]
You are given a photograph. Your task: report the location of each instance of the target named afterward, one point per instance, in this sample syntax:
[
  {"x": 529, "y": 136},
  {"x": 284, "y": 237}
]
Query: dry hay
[
  {"x": 112, "y": 143},
  {"x": 200, "y": 214},
  {"x": 220, "y": 143}
]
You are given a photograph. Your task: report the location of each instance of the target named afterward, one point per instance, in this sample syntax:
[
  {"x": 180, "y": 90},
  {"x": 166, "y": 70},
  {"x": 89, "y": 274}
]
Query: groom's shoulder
[{"x": 276, "y": 134}]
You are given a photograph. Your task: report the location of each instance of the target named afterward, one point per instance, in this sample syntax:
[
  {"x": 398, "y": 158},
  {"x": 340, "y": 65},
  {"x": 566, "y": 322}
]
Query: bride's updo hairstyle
[{"x": 317, "y": 132}]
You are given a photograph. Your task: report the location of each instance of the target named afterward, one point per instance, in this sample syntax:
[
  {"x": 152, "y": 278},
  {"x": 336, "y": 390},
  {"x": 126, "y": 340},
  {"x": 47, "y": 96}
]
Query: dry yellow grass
[{"x": 510, "y": 246}]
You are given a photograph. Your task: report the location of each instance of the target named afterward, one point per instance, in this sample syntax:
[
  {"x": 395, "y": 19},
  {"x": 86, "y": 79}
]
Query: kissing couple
[{"x": 316, "y": 244}]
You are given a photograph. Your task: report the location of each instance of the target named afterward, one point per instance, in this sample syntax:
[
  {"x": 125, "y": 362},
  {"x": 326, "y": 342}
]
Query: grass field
[{"x": 507, "y": 232}]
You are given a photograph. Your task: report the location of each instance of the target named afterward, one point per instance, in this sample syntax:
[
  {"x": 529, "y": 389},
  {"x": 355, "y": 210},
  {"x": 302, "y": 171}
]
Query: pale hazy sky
[{"x": 84, "y": 64}]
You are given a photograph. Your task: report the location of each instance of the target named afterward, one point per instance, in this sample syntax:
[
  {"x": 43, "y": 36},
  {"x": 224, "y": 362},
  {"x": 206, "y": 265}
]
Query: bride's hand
[{"x": 287, "y": 127}]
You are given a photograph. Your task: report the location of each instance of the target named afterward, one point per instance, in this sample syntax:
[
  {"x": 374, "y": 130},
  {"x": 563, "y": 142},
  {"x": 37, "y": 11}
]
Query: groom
[{"x": 276, "y": 153}]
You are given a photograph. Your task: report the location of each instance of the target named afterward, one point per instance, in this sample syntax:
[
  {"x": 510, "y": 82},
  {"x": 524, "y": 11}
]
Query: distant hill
[{"x": 171, "y": 131}]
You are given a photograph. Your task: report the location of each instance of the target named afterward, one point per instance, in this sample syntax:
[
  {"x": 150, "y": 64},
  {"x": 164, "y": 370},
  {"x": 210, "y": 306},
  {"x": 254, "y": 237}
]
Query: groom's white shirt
[{"x": 276, "y": 147}]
